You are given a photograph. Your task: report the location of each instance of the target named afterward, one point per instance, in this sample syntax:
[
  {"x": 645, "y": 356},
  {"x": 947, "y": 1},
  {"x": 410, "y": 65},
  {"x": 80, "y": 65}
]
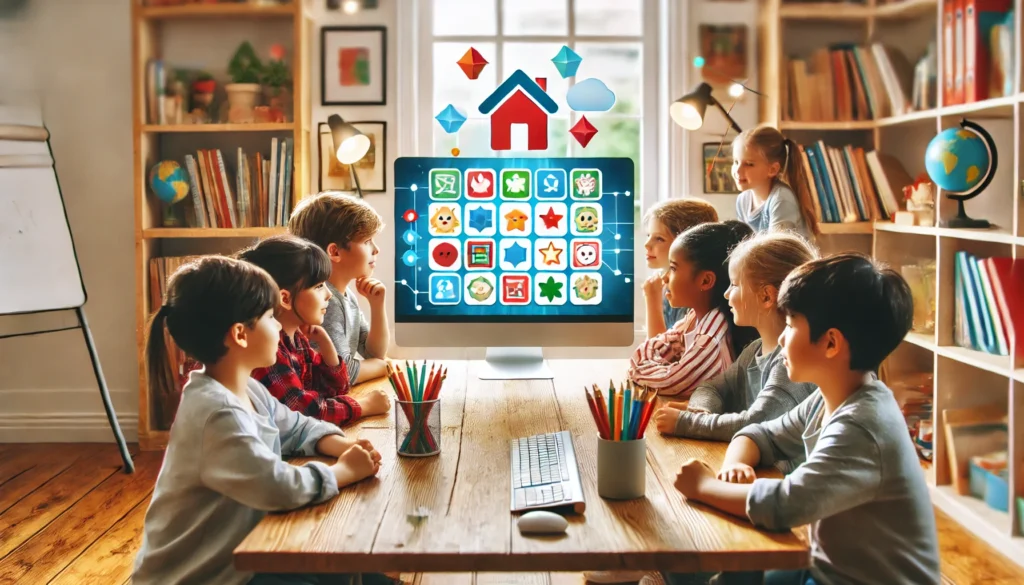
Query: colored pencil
[{"x": 594, "y": 413}]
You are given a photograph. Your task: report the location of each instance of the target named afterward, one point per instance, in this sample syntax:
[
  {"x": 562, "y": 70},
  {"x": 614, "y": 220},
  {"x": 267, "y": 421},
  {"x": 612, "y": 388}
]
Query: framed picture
[
  {"x": 718, "y": 180},
  {"x": 372, "y": 168},
  {"x": 724, "y": 48},
  {"x": 353, "y": 65}
]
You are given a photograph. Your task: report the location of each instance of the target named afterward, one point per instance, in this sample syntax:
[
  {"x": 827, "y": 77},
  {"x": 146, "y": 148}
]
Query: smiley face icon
[{"x": 444, "y": 254}]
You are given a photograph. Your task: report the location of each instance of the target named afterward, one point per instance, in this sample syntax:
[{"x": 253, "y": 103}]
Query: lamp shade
[
  {"x": 350, "y": 144},
  {"x": 688, "y": 111}
]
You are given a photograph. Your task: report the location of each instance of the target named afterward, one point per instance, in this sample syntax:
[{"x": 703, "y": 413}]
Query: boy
[
  {"x": 344, "y": 227},
  {"x": 861, "y": 485}
]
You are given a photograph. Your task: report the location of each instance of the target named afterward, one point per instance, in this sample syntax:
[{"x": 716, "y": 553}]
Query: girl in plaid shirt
[{"x": 305, "y": 380}]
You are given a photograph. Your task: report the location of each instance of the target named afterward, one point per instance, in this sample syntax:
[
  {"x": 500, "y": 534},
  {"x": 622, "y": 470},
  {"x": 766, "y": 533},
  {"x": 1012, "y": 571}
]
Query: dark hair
[
  {"x": 294, "y": 263},
  {"x": 707, "y": 246},
  {"x": 868, "y": 302},
  {"x": 204, "y": 299}
]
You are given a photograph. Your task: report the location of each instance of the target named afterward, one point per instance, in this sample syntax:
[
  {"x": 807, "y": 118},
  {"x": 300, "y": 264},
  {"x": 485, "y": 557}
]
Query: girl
[
  {"x": 704, "y": 343},
  {"x": 766, "y": 167},
  {"x": 755, "y": 388},
  {"x": 664, "y": 222},
  {"x": 302, "y": 378},
  {"x": 223, "y": 471}
]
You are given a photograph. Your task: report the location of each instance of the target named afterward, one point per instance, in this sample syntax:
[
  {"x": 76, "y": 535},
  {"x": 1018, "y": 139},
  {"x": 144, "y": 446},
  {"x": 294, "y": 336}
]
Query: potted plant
[
  {"x": 245, "y": 70},
  {"x": 203, "y": 88},
  {"x": 277, "y": 82}
]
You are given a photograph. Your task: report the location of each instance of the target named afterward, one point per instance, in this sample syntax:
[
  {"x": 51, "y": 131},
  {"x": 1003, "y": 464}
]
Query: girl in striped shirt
[{"x": 707, "y": 341}]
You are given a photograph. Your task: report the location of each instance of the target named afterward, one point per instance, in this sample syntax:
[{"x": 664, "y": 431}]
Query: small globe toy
[
  {"x": 168, "y": 181},
  {"x": 962, "y": 161}
]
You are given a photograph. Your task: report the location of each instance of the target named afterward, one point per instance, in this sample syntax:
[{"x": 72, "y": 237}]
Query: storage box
[{"x": 993, "y": 488}]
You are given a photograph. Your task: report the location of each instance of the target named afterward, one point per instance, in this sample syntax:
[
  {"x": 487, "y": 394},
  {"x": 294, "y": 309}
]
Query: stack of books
[
  {"x": 850, "y": 184},
  {"x": 988, "y": 303}
]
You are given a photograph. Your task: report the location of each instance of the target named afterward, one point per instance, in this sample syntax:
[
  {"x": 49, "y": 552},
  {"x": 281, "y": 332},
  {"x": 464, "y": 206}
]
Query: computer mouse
[{"x": 541, "y": 522}]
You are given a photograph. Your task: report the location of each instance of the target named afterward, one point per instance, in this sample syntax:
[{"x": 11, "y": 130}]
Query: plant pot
[
  {"x": 279, "y": 100},
  {"x": 241, "y": 101},
  {"x": 204, "y": 86}
]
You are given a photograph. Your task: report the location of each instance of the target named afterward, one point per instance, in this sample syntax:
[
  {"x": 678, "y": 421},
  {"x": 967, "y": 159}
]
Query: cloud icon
[{"x": 590, "y": 95}]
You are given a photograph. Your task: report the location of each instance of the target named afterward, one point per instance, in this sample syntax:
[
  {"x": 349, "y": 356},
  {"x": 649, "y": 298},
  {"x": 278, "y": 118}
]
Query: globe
[
  {"x": 962, "y": 161},
  {"x": 168, "y": 181}
]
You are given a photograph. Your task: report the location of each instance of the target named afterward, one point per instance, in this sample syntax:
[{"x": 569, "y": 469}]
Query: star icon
[
  {"x": 515, "y": 254},
  {"x": 516, "y": 220},
  {"x": 551, "y": 219},
  {"x": 480, "y": 219},
  {"x": 551, "y": 253},
  {"x": 550, "y": 289}
]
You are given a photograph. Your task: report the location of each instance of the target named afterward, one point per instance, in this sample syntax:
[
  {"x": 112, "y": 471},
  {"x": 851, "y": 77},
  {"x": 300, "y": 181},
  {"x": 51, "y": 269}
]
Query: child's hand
[
  {"x": 737, "y": 473},
  {"x": 371, "y": 288},
  {"x": 665, "y": 419},
  {"x": 691, "y": 478},
  {"x": 684, "y": 405},
  {"x": 374, "y": 402},
  {"x": 317, "y": 335},
  {"x": 355, "y": 464},
  {"x": 654, "y": 287},
  {"x": 368, "y": 446}
]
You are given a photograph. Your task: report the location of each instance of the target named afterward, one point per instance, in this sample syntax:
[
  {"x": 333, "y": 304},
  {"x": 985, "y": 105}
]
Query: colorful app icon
[
  {"x": 480, "y": 184},
  {"x": 444, "y": 219},
  {"x": 515, "y": 289},
  {"x": 445, "y": 184},
  {"x": 479, "y": 255},
  {"x": 445, "y": 289},
  {"x": 551, "y": 219},
  {"x": 480, "y": 288},
  {"x": 586, "y": 254},
  {"x": 550, "y": 254},
  {"x": 515, "y": 219},
  {"x": 515, "y": 184},
  {"x": 551, "y": 184},
  {"x": 586, "y": 288},
  {"x": 585, "y": 219},
  {"x": 444, "y": 254},
  {"x": 514, "y": 254},
  {"x": 480, "y": 220},
  {"x": 586, "y": 183},
  {"x": 551, "y": 288}
]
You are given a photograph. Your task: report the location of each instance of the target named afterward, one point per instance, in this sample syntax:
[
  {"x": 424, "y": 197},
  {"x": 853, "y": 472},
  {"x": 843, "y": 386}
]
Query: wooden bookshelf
[
  {"x": 963, "y": 377},
  {"x": 154, "y": 32}
]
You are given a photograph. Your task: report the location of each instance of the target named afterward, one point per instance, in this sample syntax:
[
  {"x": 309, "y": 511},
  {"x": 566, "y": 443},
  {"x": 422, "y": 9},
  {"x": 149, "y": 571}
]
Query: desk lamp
[
  {"x": 351, "y": 145},
  {"x": 688, "y": 111}
]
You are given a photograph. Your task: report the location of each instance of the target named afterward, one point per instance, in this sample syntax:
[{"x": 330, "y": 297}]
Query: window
[{"x": 527, "y": 34}]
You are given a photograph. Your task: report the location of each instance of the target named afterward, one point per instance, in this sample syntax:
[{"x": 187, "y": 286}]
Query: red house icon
[{"x": 522, "y": 101}]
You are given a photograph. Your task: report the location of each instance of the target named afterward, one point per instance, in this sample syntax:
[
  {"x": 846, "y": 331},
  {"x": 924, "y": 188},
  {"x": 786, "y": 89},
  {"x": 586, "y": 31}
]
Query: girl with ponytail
[{"x": 774, "y": 191}]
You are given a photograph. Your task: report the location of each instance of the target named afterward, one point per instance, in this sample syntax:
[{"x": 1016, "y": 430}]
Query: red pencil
[
  {"x": 593, "y": 412},
  {"x": 647, "y": 413}
]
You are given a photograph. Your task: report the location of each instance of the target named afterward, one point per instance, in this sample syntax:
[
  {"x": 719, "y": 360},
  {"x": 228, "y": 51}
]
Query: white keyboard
[{"x": 544, "y": 473}]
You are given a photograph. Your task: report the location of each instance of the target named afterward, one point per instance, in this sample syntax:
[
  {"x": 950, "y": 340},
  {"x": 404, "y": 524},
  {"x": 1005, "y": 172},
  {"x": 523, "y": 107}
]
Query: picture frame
[
  {"x": 353, "y": 66},
  {"x": 372, "y": 168},
  {"x": 718, "y": 181},
  {"x": 724, "y": 49}
]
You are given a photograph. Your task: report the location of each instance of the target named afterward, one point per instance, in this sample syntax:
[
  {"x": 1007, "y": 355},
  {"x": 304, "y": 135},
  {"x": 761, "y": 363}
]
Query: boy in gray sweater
[{"x": 861, "y": 487}]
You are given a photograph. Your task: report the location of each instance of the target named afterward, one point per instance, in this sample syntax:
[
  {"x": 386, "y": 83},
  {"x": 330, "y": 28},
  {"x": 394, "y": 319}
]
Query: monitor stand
[{"x": 515, "y": 363}]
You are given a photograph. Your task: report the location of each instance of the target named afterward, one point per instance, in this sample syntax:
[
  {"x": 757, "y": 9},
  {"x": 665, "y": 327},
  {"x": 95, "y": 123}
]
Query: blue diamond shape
[
  {"x": 567, "y": 61},
  {"x": 515, "y": 255},
  {"x": 480, "y": 219},
  {"x": 450, "y": 119}
]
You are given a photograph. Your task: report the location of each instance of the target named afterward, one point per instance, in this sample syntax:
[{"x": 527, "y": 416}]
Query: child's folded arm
[
  {"x": 722, "y": 426},
  {"x": 781, "y": 438},
  {"x": 284, "y": 384},
  {"x": 329, "y": 380},
  {"x": 236, "y": 463},
  {"x": 843, "y": 471},
  {"x": 701, "y": 360},
  {"x": 712, "y": 395},
  {"x": 299, "y": 433}
]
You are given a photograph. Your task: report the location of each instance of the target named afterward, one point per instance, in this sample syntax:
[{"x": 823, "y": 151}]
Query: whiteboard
[{"x": 38, "y": 267}]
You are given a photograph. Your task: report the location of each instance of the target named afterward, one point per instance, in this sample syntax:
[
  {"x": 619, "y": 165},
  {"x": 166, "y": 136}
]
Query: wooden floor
[{"x": 69, "y": 515}]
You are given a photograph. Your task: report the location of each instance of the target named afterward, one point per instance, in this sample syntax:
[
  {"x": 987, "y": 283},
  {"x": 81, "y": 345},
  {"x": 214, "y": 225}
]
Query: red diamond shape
[
  {"x": 472, "y": 63},
  {"x": 583, "y": 131}
]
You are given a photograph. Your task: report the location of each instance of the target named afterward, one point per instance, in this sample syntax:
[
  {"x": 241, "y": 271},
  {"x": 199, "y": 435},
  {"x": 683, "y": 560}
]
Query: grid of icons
[{"x": 490, "y": 236}]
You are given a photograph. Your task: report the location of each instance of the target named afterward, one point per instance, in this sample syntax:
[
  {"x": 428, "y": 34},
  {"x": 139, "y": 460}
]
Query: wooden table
[{"x": 465, "y": 490}]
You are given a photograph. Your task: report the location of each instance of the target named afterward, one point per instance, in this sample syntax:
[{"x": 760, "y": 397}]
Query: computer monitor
[{"x": 514, "y": 253}]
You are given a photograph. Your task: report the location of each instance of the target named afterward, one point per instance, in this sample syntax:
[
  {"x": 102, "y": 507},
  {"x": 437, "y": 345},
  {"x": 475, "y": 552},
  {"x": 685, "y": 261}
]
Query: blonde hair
[
  {"x": 767, "y": 258},
  {"x": 776, "y": 148},
  {"x": 679, "y": 215},
  {"x": 332, "y": 217}
]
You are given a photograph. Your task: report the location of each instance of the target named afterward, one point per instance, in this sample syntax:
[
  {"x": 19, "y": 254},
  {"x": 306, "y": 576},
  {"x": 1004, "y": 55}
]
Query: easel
[{"x": 33, "y": 158}]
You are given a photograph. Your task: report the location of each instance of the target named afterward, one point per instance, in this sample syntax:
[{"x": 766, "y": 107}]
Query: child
[
  {"x": 344, "y": 227},
  {"x": 861, "y": 485},
  {"x": 664, "y": 222},
  {"x": 704, "y": 343},
  {"x": 223, "y": 471},
  {"x": 311, "y": 382},
  {"x": 766, "y": 167},
  {"x": 755, "y": 388}
]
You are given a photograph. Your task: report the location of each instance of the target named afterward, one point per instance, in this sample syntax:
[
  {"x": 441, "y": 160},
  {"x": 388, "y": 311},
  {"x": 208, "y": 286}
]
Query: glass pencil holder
[{"x": 418, "y": 428}]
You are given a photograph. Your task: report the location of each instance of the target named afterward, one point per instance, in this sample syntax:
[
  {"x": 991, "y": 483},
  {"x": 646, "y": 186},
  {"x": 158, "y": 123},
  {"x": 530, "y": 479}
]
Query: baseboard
[{"x": 61, "y": 427}]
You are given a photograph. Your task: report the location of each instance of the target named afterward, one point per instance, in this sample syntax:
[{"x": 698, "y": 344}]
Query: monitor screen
[{"x": 514, "y": 240}]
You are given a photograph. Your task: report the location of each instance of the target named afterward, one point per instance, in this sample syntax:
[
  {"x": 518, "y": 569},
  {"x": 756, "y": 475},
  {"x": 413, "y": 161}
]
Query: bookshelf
[
  {"x": 205, "y": 34},
  {"x": 963, "y": 378}
]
